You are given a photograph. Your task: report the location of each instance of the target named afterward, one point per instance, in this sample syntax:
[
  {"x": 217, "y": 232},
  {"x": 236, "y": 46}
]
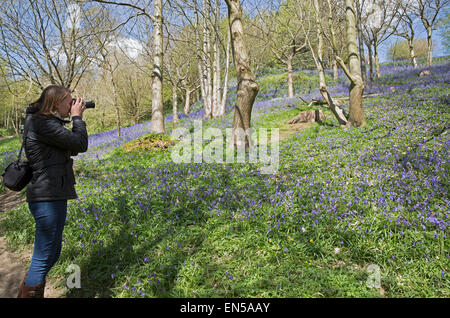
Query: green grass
[{"x": 9, "y": 144}]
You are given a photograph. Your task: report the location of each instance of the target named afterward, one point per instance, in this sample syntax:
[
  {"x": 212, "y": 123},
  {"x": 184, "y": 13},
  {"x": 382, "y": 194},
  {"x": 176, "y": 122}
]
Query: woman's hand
[{"x": 78, "y": 107}]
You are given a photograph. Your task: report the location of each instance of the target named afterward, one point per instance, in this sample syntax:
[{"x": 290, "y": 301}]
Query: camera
[{"x": 89, "y": 104}]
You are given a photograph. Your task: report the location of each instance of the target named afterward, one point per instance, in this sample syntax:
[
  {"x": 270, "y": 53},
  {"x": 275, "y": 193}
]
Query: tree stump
[{"x": 425, "y": 73}]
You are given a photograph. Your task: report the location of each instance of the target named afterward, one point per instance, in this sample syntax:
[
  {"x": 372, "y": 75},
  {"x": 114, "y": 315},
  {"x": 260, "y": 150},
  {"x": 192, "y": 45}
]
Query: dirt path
[
  {"x": 6, "y": 137},
  {"x": 291, "y": 129},
  {"x": 13, "y": 265}
]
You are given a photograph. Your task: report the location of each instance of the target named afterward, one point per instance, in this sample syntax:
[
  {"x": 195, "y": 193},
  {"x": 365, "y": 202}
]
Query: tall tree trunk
[
  {"x": 115, "y": 100},
  {"x": 361, "y": 44},
  {"x": 430, "y": 46},
  {"x": 216, "y": 65},
  {"x": 247, "y": 88},
  {"x": 187, "y": 101},
  {"x": 8, "y": 119},
  {"x": 16, "y": 124},
  {"x": 290, "y": 80},
  {"x": 377, "y": 61},
  {"x": 117, "y": 117},
  {"x": 207, "y": 98},
  {"x": 369, "y": 47},
  {"x": 157, "y": 123},
  {"x": 200, "y": 58},
  {"x": 15, "y": 121},
  {"x": 223, "y": 101},
  {"x": 338, "y": 112},
  {"x": 175, "y": 102},
  {"x": 335, "y": 70},
  {"x": 102, "y": 118},
  {"x": 412, "y": 54},
  {"x": 356, "y": 116}
]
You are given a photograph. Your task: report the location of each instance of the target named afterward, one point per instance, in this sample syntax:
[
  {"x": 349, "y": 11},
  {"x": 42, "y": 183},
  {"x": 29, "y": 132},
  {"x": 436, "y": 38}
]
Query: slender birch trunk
[
  {"x": 290, "y": 80},
  {"x": 175, "y": 101},
  {"x": 412, "y": 54},
  {"x": 377, "y": 60},
  {"x": 335, "y": 70},
  {"x": 157, "y": 122},
  {"x": 430, "y": 47},
  {"x": 187, "y": 102},
  {"x": 223, "y": 102},
  {"x": 200, "y": 65},
  {"x": 361, "y": 44},
  {"x": 116, "y": 104},
  {"x": 369, "y": 47},
  {"x": 216, "y": 65},
  {"x": 207, "y": 98},
  {"x": 108, "y": 66},
  {"x": 7, "y": 119}
]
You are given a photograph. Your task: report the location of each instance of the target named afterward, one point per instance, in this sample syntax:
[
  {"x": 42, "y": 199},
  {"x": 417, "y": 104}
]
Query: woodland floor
[{"x": 13, "y": 265}]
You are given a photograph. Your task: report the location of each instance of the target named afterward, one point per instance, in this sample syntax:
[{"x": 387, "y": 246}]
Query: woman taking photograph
[{"x": 48, "y": 147}]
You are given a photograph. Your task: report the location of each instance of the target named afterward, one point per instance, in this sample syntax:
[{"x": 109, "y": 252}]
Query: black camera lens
[{"x": 89, "y": 104}]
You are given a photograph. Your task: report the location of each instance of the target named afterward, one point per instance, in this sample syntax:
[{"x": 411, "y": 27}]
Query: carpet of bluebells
[{"x": 344, "y": 201}]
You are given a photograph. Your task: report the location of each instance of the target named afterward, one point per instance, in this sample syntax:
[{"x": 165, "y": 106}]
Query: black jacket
[{"x": 48, "y": 147}]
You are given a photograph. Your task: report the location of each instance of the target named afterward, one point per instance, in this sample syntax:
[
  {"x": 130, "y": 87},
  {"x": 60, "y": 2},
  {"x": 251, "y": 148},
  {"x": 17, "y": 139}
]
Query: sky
[{"x": 438, "y": 49}]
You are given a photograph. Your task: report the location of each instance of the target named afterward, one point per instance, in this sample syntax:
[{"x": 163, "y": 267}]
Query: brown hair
[{"x": 50, "y": 98}]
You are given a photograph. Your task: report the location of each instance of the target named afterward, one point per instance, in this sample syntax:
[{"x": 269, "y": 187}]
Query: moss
[{"x": 150, "y": 142}]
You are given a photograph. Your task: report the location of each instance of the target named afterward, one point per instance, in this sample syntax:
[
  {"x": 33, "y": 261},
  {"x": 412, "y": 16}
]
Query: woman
[{"x": 48, "y": 147}]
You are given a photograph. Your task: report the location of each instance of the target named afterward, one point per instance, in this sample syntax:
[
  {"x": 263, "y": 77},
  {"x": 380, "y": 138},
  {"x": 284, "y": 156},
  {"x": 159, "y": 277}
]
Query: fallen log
[
  {"x": 338, "y": 101},
  {"x": 308, "y": 116}
]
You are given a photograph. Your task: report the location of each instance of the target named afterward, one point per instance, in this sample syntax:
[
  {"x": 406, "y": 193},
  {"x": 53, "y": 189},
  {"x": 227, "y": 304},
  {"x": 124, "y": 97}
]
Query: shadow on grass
[
  {"x": 143, "y": 243},
  {"x": 123, "y": 257}
]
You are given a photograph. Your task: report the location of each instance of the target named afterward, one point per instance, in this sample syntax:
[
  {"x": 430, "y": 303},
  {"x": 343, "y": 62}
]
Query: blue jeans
[{"x": 50, "y": 217}]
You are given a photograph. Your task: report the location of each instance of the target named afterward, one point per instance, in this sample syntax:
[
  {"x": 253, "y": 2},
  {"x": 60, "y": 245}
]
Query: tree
[
  {"x": 205, "y": 21},
  {"x": 405, "y": 29},
  {"x": 353, "y": 72},
  {"x": 247, "y": 88},
  {"x": 380, "y": 18},
  {"x": 428, "y": 11},
  {"x": 110, "y": 63},
  {"x": 402, "y": 50},
  {"x": 359, "y": 5},
  {"x": 177, "y": 68},
  {"x": 14, "y": 92},
  {"x": 284, "y": 33},
  {"x": 157, "y": 123},
  {"x": 41, "y": 40},
  {"x": 305, "y": 8}
]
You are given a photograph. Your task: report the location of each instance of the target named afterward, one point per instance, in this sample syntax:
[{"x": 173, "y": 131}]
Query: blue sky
[{"x": 420, "y": 33}]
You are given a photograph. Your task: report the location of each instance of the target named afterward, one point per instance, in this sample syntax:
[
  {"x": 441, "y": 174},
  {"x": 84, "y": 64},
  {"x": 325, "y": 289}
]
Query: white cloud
[
  {"x": 131, "y": 47},
  {"x": 74, "y": 16}
]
